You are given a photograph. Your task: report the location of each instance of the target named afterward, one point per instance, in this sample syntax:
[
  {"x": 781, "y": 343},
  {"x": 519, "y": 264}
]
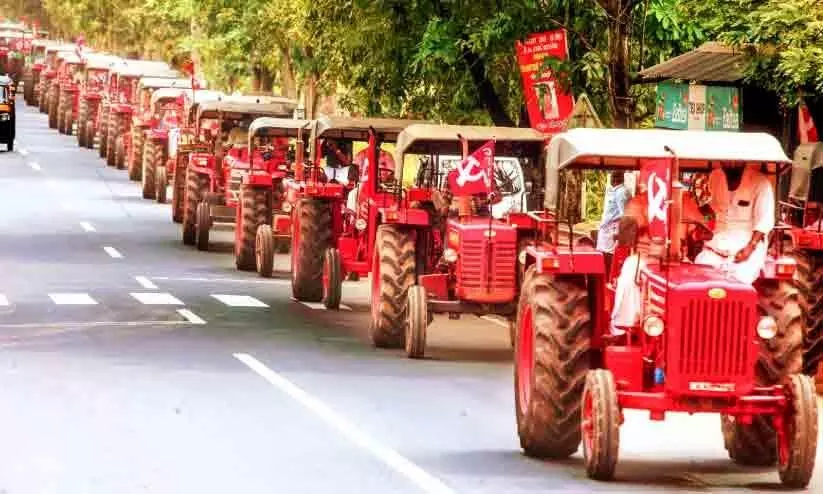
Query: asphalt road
[{"x": 124, "y": 368}]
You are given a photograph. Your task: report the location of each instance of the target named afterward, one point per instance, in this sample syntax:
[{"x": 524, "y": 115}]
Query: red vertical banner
[
  {"x": 548, "y": 105},
  {"x": 655, "y": 175}
]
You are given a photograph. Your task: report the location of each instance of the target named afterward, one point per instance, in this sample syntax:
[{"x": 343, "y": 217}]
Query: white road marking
[
  {"x": 113, "y": 252},
  {"x": 224, "y": 280},
  {"x": 320, "y": 306},
  {"x": 240, "y": 301},
  {"x": 35, "y": 166},
  {"x": 427, "y": 482},
  {"x": 4, "y": 301},
  {"x": 156, "y": 298},
  {"x": 23, "y": 152},
  {"x": 145, "y": 283},
  {"x": 87, "y": 226},
  {"x": 72, "y": 299},
  {"x": 191, "y": 316},
  {"x": 65, "y": 205},
  {"x": 495, "y": 320}
]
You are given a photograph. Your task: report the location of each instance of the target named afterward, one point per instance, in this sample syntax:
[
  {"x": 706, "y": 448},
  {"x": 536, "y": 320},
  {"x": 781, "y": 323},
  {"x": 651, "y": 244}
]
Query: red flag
[
  {"x": 655, "y": 175},
  {"x": 805, "y": 125},
  {"x": 475, "y": 174}
]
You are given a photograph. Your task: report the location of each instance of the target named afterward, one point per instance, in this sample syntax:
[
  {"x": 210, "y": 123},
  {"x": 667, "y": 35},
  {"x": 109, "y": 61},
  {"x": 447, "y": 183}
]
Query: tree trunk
[
  {"x": 621, "y": 105},
  {"x": 485, "y": 90},
  {"x": 288, "y": 84}
]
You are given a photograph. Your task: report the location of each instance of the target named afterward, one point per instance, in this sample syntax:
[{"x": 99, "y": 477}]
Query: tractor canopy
[
  {"x": 446, "y": 140},
  {"x": 164, "y": 82},
  {"x": 100, "y": 61},
  {"x": 200, "y": 96},
  {"x": 277, "y": 127},
  {"x": 357, "y": 129},
  {"x": 806, "y": 168},
  {"x": 241, "y": 107},
  {"x": 624, "y": 149},
  {"x": 165, "y": 94}
]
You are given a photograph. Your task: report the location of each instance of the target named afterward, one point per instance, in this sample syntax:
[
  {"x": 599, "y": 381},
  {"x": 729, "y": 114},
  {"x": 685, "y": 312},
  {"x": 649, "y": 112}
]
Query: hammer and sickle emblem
[
  {"x": 465, "y": 173},
  {"x": 657, "y": 199}
]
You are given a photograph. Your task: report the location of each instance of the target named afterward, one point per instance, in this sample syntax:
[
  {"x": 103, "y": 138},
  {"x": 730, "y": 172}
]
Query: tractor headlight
[
  {"x": 360, "y": 224},
  {"x": 287, "y": 207},
  {"x": 767, "y": 328},
  {"x": 450, "y": 256},
  {"x": 653, "y": 326}
]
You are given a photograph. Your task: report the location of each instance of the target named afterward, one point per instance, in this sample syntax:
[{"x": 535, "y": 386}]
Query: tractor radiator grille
[
  {"x": 714, "y": 340},
  {"x": 477, "y": 256}
]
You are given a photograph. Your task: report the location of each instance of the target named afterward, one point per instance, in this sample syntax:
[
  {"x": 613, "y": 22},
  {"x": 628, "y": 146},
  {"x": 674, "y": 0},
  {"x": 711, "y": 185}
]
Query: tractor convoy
[{"x": 444, "y": 220}]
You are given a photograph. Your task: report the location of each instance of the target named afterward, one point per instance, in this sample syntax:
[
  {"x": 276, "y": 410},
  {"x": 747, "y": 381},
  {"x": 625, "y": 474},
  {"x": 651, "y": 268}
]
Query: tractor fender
[
  {"x": 584, "y": 260},
  {"x": 121, "y": 108},
  {"x": 258, "y": 179},
  {"x": 161, "y": 134}
]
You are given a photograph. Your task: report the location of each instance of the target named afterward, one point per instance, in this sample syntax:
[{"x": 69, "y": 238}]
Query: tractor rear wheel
[
  {"x": 312, "y": 236},
  {"x": 114, "y": 133},
  {"x": 601, "y": 425},
  {"x": 52, "y": 110},
  {"x": 755, "y": 444},
  {"x": 89, "y": 134},
  {"x": 809, "y": 279},
  {"x": 255, "y": 211},
  {"x": 82, "y": 115},
  {"x": 196, "y": 187},
  {"x": 203, "y": 225},
  {"x": 393, "y": 273},
  {"x": 264, "y": 251},
  {"x": 68, "y": 119},
  {"x": 797, "y": 447},
  {"x": 162, "y": 185},
  {"x": 136, "y": 157},
  {"x": 552, "y": 359},
  {"x": 61, "y": 114},
  {"x": 178, "y": 192},
  {"x": 152, "y": 157}
]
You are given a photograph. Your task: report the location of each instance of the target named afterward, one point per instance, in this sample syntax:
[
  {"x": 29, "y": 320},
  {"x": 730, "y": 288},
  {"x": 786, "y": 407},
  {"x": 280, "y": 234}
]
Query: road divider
[{"x": 394, "y": 460}]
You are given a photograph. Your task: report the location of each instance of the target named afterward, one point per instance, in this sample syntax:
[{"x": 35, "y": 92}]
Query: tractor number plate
[{"x": 716, "y": 387}]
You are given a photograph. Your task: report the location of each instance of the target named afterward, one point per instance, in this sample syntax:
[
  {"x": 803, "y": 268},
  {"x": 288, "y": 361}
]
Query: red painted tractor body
[
  {"x": 93, "y": 86},
  {"x": 705, "y": 342}
]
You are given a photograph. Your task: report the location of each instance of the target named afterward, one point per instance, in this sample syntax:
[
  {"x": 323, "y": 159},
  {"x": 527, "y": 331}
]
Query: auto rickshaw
[{"x": 7, "y": 116}]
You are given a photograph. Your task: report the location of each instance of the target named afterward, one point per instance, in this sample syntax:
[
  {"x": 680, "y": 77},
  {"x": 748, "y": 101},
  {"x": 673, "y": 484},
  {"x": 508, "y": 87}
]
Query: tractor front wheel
[
  {"x": 332, "y": 279},
  {"x": 552, "y": 359},
  {"x": 89, "y": 135},
  {"x": 203, "y": 225},
  {"x": 162, "y": 185},
  {"x": 196, "y": 188},
  {"x": 312, "y": 236},
  {"x": 254, "y": 212},
  {"x": 82, "y": 116},
  {"x": 120, "y": 154},
  {"x": 136, "y": 157},
  {"x": 600, "y": 427},
  {"x": 152, "y": 155},
  {"x": 755, "y": 444},
  {"x": 393, "y": 273},
  {"x": 264, "y": 251},
  {"x": 104, "y": 134},
  {"x": 797, "y": 438},
  {"x": 417, "y": 321}
]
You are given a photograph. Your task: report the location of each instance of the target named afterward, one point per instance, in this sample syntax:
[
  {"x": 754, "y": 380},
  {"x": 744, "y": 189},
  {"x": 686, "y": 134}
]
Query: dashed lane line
[
  {"x": 4, "y": 301},
  {"x": 240, "y": 301},
  {"x": 156, "y": 298},
  {"x": 145, "y": 283},
  {"x": 35, "y": 166},
  {"x": 191, "y": 316},
  {"x": 320, "y": 306},
  {"x": 224, "y": 280},
  {"x": 72, "y": 299},
  {"x": 24, "y": 153},
  {"x": 112, "y": 252},
  {"x": 87, "y": 226},
  {"x": 394, "y": 460}
]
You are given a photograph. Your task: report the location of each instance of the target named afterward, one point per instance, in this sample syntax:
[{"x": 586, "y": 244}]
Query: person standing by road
[{"x": 614, "y": 204}]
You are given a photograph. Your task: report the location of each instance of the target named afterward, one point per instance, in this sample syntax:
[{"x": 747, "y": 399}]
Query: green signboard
[
  {"x": 722, "y": 108},
  {"x": 672, "y": 106}
]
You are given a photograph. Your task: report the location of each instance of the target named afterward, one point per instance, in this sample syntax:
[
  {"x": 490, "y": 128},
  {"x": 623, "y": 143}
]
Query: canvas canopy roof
[
  {"x": 241, "y": 106},
  {"x": 166, "y": 93},
  {"x": 100, "y": 61},
  {"x": 164, "y": 82},
  {"x": 279, "y": 127},
  {"x": 142, "y": 68},
  {"x": 69, "y": 57},
  {"x": 357, "y": 129},
  {"x": 6, "y": 80},
  {"x": 807, "y": 158},
  {"x": 445, "y": 139}
]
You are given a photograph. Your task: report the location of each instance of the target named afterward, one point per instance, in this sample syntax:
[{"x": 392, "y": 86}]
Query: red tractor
[
  {"x": 263, "y": 218},
  {"x": 704, "y": 341},
  {"x": 337, "y": 209},
  {"x": 804, "y": 217},
  {"x": 183, "y": 141},
  {"x": 31, "y": 74},
  {"x": 48, "y": 73},
  {"x": 50, "y": 81},
  {"x": 145, "y": 116},
  {"x": 466, "y": 263},
  {"x": 12, "y": 52},
  {"x": 212, "y": 184},
  {"x": 121, "y": 107},
  {"x": 69, "y": 78},
  {"x": 92, "y": 90}
]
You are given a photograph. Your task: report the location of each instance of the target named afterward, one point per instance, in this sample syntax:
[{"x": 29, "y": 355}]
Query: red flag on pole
[
  {"x": 805, "y": 125},
  {"x": 475, "y": 174}
]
